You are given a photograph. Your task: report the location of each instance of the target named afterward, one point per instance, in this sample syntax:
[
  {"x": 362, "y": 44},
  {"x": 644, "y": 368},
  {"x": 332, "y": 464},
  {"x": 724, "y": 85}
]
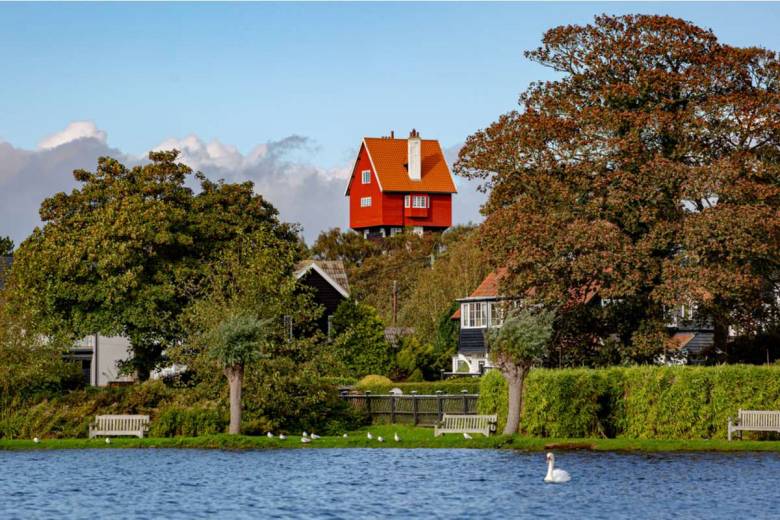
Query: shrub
[
  {"x": 449, "y": 386},
  {"x": 493, "y": 397},
  {"x": 189, "y": 422},
  {"x": 373, "y": 380}
]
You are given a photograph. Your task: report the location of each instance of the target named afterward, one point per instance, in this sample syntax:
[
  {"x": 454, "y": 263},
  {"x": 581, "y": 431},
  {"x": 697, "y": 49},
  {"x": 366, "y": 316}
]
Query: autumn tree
[
  {"x": 648, "y": 170},
  {"x": 347, "y": 246},
  {"x": 128, "y": 250}
]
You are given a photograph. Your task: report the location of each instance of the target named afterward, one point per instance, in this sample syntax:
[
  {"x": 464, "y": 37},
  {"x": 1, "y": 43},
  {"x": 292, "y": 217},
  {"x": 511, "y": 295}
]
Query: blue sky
[{"x": 248, "y": 74}]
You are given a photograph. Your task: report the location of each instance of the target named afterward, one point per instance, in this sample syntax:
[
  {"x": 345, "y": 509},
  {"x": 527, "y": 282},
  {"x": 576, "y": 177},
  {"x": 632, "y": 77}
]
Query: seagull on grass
[
  {"x": 369, "y": 436},
  {"x": 270, "y": 435},
  {"x": 305, "y": 434},
  {"x": 108, "y": 441},
  {"x": 315, "y": 436},
  {"x": 466, "y": 436},
  {"x": 282, "y": 436},
  {"x": 305, "y": 439},
  {"x": 345, "y": 435},
  {"x": 380, "y": 439},
  {"x": 396, "y": 437}
]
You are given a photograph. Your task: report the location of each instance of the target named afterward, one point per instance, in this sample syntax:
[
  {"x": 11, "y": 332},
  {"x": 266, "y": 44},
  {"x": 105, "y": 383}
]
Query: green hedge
[
  {"x": 637, "y": 402},
  {"x": 448, "y": 386}
]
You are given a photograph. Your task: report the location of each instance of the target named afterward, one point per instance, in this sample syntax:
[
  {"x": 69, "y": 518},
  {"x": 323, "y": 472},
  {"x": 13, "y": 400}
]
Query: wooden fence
[{"x": 414, "y": 409}]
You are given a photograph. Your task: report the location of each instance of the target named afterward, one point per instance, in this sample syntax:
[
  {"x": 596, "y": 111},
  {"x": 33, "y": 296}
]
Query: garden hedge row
[
  {"x": 646, "y": 402},
  {"x": 448, "y": 386}
]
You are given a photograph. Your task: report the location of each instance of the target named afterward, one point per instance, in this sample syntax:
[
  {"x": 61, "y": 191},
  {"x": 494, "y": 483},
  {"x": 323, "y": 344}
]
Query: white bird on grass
[
  {"x": 396, "y": 437},
  {"x": 369, "y": 436},
  {"x": 305, "y": 439},
  {"x": 345, "y": 435},
  {"x": 270, "y": 435},
  {"x": 108, "y": 441},
  {"x": 305, "y": 434},
  {"x": 555, "y": 476},
  {"x": 380, "y": 439},
  {"x": 36, "y": 440},
  {"x": 467, "y": 436},
  {"x": 282, "y": 436},
  {"x": 315, "y": 436}
]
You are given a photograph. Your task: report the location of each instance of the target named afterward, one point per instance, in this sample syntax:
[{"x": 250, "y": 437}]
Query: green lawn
[{"x": 410, "y": 438}]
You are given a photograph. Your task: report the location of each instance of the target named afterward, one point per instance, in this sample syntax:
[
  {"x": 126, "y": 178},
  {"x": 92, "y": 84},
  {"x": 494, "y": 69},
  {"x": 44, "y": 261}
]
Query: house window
[
  {"x": 497, "y": 313},
  {"x": 474, "y": 315},
  {"x": 420, "y": 201},
  {"x": 395, "y": 231},
  {"x": 407, "y": 201},
  {"x": 365, "y": 202},
  {"x": 366, "y": 176}
]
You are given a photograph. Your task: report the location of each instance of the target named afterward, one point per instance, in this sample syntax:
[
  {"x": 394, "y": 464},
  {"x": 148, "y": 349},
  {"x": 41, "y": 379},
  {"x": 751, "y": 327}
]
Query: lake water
[{"x": 329, "y": 483}]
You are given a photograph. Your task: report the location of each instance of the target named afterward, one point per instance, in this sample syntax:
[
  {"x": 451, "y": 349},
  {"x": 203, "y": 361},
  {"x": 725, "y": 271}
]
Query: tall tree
[
  {"x": 520, "y": 343},
  {"x": 129, "y": 249},
  {"x": 349, "y": 247},
  {"x": 648, "y": 170}
]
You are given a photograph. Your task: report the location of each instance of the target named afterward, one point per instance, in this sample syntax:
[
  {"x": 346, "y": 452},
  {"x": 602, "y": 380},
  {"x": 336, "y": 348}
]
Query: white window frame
[
  {"x": 474, "y": 315},
  {"x": 365, "y": 202},
  {"x": 420, "y": 201},
  {"x": 407, "y": 201},
  {"x": 366, "y": 176}
]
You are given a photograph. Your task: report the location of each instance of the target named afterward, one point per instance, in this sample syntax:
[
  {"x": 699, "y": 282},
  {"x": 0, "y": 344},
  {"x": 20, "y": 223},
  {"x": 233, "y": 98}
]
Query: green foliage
[
  {"x": 189, "y": 422},
  {"x": 373, "y": 380},
  {"x": 6, "y": 246},
  {"x": 238, "y": 340},
  {"x": 647, "y": 402},
  {"x": 415, "y": 359},
  {"x": 448, "y": 386},
  {"x": 523, "y": 338},
  {"x": 493, "y": 396},
  {"x": 128, "y": 251},
  {"x": 349, "y": 247},
  {"x": 359, "y": 340}
]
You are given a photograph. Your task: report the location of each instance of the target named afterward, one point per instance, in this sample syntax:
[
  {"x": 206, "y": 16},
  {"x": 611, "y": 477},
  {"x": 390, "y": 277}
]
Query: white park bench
[
  {"x": 755, "y": 420},
  {"x": 483, "y": 424},
  {"x": 115, "y": 425}
]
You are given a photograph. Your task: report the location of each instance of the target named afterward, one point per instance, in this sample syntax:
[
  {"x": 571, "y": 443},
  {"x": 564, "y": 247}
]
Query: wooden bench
[
  {"x": 115, "y": 425},
  {"x": 755, "y": 420},
  {"x": 483, "y": 424}
]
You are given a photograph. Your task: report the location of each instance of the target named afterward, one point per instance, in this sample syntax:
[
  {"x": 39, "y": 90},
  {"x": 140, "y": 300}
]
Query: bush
[
  {"x": 647, "y": 402},
  {"x": 493, "y": 397},
  {"x": 374, "y": 380},
  {"x": 449, "y": 386},
  {"x": 189, "y": 422}
]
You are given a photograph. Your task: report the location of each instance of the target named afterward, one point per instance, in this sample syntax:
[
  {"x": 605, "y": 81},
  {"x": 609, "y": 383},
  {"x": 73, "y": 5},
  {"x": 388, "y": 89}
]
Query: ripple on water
[{"x": 380, "y": 483}]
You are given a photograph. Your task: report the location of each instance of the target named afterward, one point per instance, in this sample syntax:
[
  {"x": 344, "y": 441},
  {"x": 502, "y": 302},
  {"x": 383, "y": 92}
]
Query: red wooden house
[{"x": 400, "y": 183}]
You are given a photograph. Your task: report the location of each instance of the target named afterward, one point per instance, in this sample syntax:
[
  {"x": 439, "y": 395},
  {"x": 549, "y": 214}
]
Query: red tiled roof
[{"x": 390, "y": 158}]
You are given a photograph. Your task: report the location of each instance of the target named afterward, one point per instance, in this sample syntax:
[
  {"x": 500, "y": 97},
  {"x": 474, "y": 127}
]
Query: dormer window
[{"x": 366, "y": 176}]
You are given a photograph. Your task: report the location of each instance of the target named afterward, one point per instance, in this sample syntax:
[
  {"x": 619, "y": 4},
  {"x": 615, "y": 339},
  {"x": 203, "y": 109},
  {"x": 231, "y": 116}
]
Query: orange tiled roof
[{"x": 390, "y": 158}]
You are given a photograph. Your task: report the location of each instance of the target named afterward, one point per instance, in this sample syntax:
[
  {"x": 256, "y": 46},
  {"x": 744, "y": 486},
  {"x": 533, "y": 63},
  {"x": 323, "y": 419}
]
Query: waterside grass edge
[{"x": 410, "y": 438}]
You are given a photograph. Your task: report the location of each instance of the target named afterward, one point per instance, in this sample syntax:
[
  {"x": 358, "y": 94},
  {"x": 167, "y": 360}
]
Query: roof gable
[
  {"x": 389, "y": 158},
  {"x": 331, "y": 270}
]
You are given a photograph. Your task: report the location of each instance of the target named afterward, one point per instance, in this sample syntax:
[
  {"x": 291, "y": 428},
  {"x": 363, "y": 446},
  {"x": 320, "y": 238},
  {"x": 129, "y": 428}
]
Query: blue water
[{"x": 390, "y": 483}]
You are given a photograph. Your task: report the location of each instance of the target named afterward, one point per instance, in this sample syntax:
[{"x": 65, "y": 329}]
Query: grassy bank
[{"x": 410, "y": 438}]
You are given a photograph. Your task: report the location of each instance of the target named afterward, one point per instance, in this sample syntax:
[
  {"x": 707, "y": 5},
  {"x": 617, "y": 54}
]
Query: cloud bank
[{"x": 282, "y": 172}]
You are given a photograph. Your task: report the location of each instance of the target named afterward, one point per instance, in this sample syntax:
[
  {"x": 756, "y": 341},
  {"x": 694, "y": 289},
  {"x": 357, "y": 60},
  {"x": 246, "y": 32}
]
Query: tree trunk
[
  {"x": 235, "y": 376},
  {"x": 514, "y": 375}
]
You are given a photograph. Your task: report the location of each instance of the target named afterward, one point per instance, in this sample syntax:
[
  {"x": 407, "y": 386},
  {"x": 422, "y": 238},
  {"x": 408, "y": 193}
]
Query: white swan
[
  {"x": 396, "y": 437},
  {"x": 305, "y": 439},
  {"x": 556, "y": 476},
  {"x": 315, "y": 436}
]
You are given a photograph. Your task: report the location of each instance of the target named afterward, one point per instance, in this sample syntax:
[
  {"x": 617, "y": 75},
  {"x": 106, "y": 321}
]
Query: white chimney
[{"x": 415, "y": 156}]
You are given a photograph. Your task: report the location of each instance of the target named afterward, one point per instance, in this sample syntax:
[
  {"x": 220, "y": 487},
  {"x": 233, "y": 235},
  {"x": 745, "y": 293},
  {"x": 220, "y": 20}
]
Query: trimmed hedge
[
  {"x": 645, "y": 402},
  {"x": 448, "y": 386}
]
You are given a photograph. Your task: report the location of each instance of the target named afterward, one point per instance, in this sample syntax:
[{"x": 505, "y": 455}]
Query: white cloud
[{"x": 74, "y": 131}]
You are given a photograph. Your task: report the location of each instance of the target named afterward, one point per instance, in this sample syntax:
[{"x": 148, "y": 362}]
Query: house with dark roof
[
  {"x": 328, "y": 280},
  {"x": 399, "y": 184},
  {"x": 486, "y": 306}
]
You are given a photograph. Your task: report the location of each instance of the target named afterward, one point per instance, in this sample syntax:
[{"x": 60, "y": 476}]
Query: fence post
[
  {"x": 465, "y": 402},
  {"x": 440, "y": 404},
  {"x": 414, "y": 408},
  {"x": 392, "y": 409},
  {"x": 368, "y": 402}
]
